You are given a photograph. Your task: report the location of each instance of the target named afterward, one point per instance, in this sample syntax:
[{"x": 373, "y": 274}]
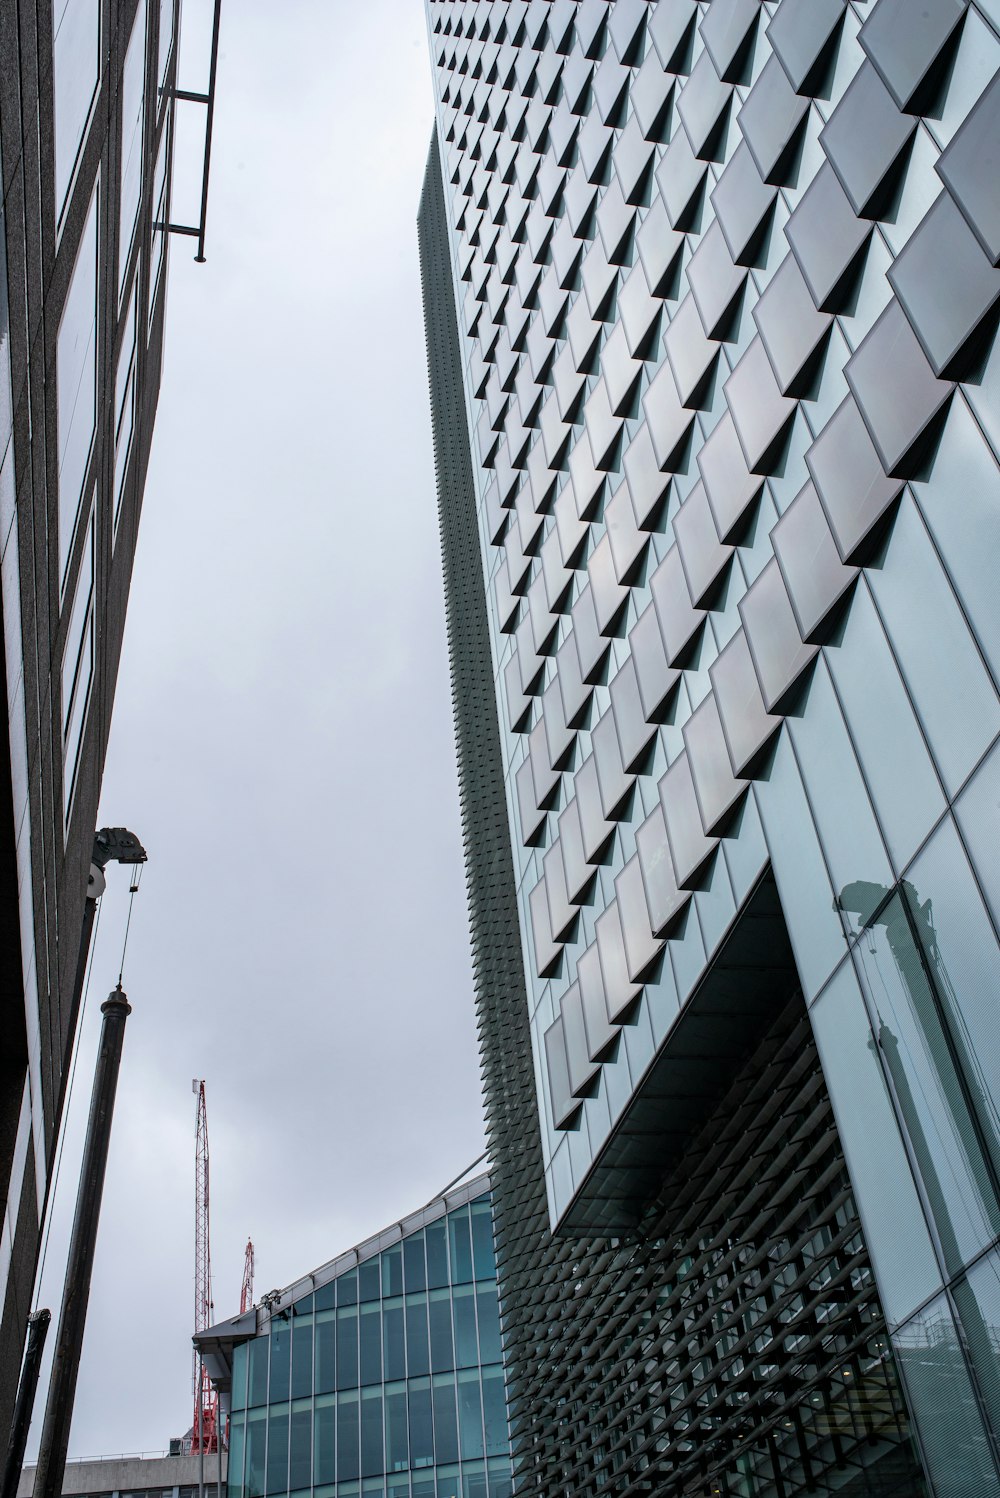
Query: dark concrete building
[
  {"x": 711, "y": 294},
  {"x": 86, "y": 134}
]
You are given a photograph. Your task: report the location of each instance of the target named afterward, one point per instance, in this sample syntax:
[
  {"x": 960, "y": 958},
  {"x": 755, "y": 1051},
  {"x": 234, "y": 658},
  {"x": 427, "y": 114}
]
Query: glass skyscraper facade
[
  {"x": 711, "y": 294},
  {"x": 381, "y": 1375},
  {"x": 86, "y": 144}
]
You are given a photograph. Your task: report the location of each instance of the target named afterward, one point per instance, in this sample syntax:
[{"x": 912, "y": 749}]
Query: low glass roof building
[{"x": 380, "y": 1374}]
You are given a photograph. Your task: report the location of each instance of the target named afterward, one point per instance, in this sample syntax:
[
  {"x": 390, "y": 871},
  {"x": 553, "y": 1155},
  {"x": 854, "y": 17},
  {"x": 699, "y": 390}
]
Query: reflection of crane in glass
[
  {"x": 913, "y": 942},
  {"x": 862, "y": 899},
  {"x": 923, "y": 917}
]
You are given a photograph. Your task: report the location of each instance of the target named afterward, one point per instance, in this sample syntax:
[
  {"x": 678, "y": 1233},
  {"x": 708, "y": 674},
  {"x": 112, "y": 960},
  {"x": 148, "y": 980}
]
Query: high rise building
[
  {"x": 86, "y": 137},
  {"x": 380, "y": 1374},
  {"x": 711, "y": 296}
]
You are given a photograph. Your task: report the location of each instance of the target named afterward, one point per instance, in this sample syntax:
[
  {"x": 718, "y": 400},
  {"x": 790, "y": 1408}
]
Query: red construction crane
[
  {"x": 246, "y": 1294},
  {"x": 205, "y": 1430}
]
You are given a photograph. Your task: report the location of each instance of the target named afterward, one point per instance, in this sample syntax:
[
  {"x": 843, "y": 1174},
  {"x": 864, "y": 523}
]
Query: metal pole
[
  {"x": 218, "y": 1474},
  {"x": 201, "y": 1430},
  {"x": 213, "y": 69},
  {"x": 76, "y": 1291},
  {"x": 38, "y": 1325},
  {"x": 38, "y": 1321}
]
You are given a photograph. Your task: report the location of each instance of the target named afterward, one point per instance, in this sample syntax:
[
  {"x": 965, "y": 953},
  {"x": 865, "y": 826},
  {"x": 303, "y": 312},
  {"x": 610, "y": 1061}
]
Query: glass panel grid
[{"x": 374, "y": 1387}]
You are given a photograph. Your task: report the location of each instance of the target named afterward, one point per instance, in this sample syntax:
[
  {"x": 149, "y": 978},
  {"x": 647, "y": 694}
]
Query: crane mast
[
  {"x": 246, "y": 1294},
  {"x": 205, "y": 1429}
]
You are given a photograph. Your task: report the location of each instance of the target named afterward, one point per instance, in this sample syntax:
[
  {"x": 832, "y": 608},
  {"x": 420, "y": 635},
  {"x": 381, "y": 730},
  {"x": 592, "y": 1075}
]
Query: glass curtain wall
[
  {"x": 727, "y": 280},
  {"x": 385, "y": 1382}
]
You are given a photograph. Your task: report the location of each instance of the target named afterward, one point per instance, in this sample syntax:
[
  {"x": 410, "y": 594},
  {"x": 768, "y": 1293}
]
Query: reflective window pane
[
  {"x": 300, "y": 1450},
  {"x": 414, "y": 1264},
  {"x": 277, "y": 1452},
  {"x": 436, "y": 1237},
  {"x": 952, "y": 691},
  {"x": 442, "y": 1344},
  {"x": 842, "y": 811},
  {"x": 494, "y": 1411},
  {"x": 302, "y": 1361},
  {"x": 392, "y": 1271},
  {"x": 281, "y": 1360},
  {"x": 370, "y": 1362},
  {"x": 78, "y": 667},
  {"x": 958, "y": 501},
  {"x": 482, "y": 1239},
  {"x": 236, "y": 1447},
  {"x": 76, "y": 29},
  {"x": 800, "y": 871},
  {"x": 347, "y": 1348},
  {"x": 461, "y": 1247},
  {"x": 417, "y": 1354},
  {"x": 917, "y": 1053},
  {"x": 325, "y": 1352},
  {"x": 393, "y": 1340},
  {"x": 904, "y": 786},
  {"x": 256, "y": 1445},
  {"x": 324, "y": 1441},
  {"x": 369, "y": 1279},
  {"x": 488, "y": 1319},
  {"x": 960, "y": 950},
  {"x": 161, "y": 211},
  {"x": 76, "y": 382},
  {"x": 348, "y": 1437},
  {"x": 445, "y": 1417},
  {"x": 133, "y": 100},
  {"x": 470, "y": 1414},
  {"x": 240, "y": 1365},
  {"x": 955, "y": 1445},
  {"x": 372, "y": 1448},
  {"x": 894, "y": 1224},
  {"x": 978, "y": 1301},
  {"x": 421, "y": 1423},
  {"x": 396, "y": 1443},
  {"x": 125, "y": 402},
  {"x": 165, "y": 39},
  {"x": 258, "y": 1371},
  {"x": 464, "y": 1307},
  {"x": 978, "y": 814}
]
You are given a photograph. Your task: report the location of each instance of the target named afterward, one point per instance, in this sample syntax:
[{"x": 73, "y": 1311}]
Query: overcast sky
[{"x": 282, "y": 739}]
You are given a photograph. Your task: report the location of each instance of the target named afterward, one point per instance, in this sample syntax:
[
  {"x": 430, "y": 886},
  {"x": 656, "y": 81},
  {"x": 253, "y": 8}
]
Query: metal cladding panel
[
  {"x": 758, "y": 343},
  {"x": 687, "y": 450}
]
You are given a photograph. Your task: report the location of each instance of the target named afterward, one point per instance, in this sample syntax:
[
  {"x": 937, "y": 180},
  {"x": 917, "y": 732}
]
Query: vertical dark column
[
  {"x": 76, "y": 1292},
  {"x": 38, "y": 1326},
  {"x": 520, "y": 1212}
]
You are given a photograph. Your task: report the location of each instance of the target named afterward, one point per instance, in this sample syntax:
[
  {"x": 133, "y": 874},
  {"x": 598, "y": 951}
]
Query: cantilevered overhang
[
  {"x": 750, "y": 979},
  {"x": 216, "y": 1344}
]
